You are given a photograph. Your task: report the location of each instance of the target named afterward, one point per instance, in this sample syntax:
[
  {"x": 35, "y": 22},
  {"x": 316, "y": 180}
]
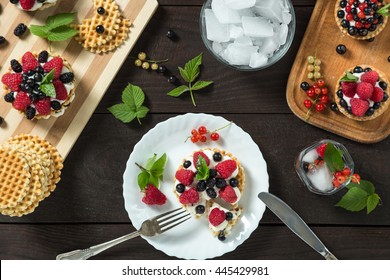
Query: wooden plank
[
  {"x": 94, "y": 73},
  {"x": 333, "y": 67}
]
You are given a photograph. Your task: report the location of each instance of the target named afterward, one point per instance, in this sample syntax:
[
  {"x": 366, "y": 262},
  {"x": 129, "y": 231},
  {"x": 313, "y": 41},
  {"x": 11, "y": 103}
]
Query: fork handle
[{"x": 84, "y": 254}]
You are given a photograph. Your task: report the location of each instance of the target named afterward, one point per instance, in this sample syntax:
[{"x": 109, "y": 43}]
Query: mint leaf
[
  {"x": 384, "y": 10},
  {"x": 154, "y": 180},
  {"x": 150, "y": 162},
  {"x": 159, "y": 164},
  {"x": 202, "y": 168},
  {"x": 143, "y": 179},
  {"x": 40, "y": 31},
  {"x": 48, "y": 90},
  {"x": 58, "y": 20},
  {"x": 154, "y": 171},
  {"x": 372, "y": 202},
  {"x": 48, "y": 78},
  {"x": 201, "y": 84},
  {"x": 122, "y": 112},
  {"x": 354, "y": 200},
  {"x": 349, "y": 77},
  {"x": 61, "y": 33},
  {"x": 333, "y": 158},
  {"x": 192, "y": 67}
]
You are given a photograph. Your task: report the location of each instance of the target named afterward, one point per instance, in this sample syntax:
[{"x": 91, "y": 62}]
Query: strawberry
[
  {"x": 29, "y": 62},
  {"x": 153, "y": 196},
  {"x": 43, "y": 106},
  {"x": 22, "y": 101},
  {"x": 186, "y": 177},
  {"x": 364, "y": 90},
  {"x": 12, "y": 80},
  {"x": 27, "y": 4},
  {"x": 217, "y": 217},
  {"x": 226, "y": 168},
  {"x": 228, "y": 194},
  {"x": 377, "y": 95},
  {"x": 196, "y": 156},
  {"x": 359, "y": 106},
  {"x": 61, "y": 93},
  {"x": 190, "y": 196},
  {"x": 348, "y": 88},
  {"x": 321, "y": 150},
  {"x": 370, "y": 77},
  {"x": 56, "y": 63}
]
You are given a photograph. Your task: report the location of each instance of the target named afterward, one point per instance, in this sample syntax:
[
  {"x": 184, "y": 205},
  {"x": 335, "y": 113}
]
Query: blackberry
[
  {"x": 201, "y": 186},
  {"x": 211, "y": 193},
  {"x": 170, "y": 34},
  {"x": 305, "y": 85},
  {"x": 55, "y": 105},
  {"x": 340, "y": 14},
  {"x": 220, "y": 183},
  {"x": 229, "y": 216},
  {"x": 30, "y": 113},
  {"x": 383, "y": 85},
  {"x": 370, "y": 112},
  {"x": 358, "y": 69},
  {"x": 2, "y": 40},
  {"x": 210, "y": 182},
  {"x": 20, "y": 29},
  {"x": 172, "y": 79},
  {"x": 43, "y": 56},
  {"x": 217, "y": 157},
  {"x": 221, "y": 236},
  {"x": 233, "y": 182},
  {"x": 101, "y": 11},
  {"x": 334, "y": 107},
  {"x": 213, "y": 173},
  {"x": 100, "y": 29},
  {"x": 16, "y": 67},
  {"x": 161, "y": 69},
  {"x": 9, "y": 97},
  {"x": 187, "y": 164},
  {"x": 200, "y": 209},
  {"x": 67, "y": 77}
]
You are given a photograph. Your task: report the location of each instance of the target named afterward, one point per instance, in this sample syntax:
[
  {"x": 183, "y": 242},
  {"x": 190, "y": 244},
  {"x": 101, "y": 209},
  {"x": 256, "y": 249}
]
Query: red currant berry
[
  {"x": 359, "y": 25},
  {"x": 203, "y": 138},
  {"x": 361, "y": 6},
  {"x": 346, "y": 171},
  {"x": 194, "y": 132},
  {"x": 374, "y": 1},
  {"x": 367, "y": 25},
  {"x": 338, "y": 174},
  {"x": 317, "y": 91},
  {"x": 320, "y": 107},
  {"x": 324, "y": 99},
  {"x": 324, "y": 91},
  {"x": 361, "y": 15},
  {"x": 349, "y": 17},
  {"x": 350, "y": 2},
  {"x": 356, "y": 178},
  {"x": 307, "y": 103},
  {"x": 320, "y": 82},
  {"x": 214, "y": 136},
  {"x": 348, "y": 9},
  {"x": 314, "y": 86},
  {"x": 202, "y": 130},
  {"x": 310, "y": 92},
  {"x": 194, "y": 139}
]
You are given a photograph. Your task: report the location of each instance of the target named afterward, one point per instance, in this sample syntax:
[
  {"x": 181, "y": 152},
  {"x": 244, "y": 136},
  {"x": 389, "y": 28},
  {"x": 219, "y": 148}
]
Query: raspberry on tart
[
  {"x": 24, "y": 85},
  {"x": 222, "y": 220},
  {"x": 33, "y": 5}
]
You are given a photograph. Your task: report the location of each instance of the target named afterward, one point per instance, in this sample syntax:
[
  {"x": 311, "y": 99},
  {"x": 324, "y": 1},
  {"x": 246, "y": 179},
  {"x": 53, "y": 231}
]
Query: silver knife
[{"x": 294, "y": 222}]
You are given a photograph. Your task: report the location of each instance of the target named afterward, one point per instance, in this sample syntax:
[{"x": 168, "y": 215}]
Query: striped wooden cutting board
[{"x": 93, "y": 73}]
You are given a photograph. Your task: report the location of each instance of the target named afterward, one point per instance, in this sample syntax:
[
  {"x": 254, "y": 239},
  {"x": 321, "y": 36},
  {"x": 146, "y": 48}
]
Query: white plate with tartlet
[{"x": 193, "y": 239}]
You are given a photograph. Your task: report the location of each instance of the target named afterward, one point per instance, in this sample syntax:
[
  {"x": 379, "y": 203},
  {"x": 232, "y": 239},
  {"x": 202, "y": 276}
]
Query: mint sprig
[
  {"x": 153, "y": 171},
  {"x": 384, "y": 11},
  {"x": 132, "y": 107},
  {"x": 190, "y": 73},
  {"x": 56, "y": 27},
  {"x": 202, "y": 168},
  {"x": 47, "y": 86},
  {"x": 349, "y": 77}
]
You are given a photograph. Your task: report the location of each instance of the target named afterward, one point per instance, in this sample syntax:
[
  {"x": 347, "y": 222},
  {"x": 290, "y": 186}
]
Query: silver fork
[{"x": 152, "y": 227}]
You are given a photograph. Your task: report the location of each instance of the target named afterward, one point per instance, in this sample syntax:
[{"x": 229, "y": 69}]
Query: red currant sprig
[
  {"x": 318, "y": 94},
  {"x": 200, "y": 134}
]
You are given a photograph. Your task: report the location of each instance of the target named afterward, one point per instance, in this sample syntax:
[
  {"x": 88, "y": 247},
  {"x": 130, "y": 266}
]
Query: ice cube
[
  {"x": 269, "y": 47},
  {"x": 321, "y": 179},
  {"x": 240, "y": 4},
  {"x": 223, "y": 13},
  {"x": 215, "y": 30},
  {"x": 246, "y": 13},
  {"x": 286, "y": 17},
  {"x": 258, "y": 41},
  {"x": 235, "y": 31},
  {"x": 310, "y": 156},
  {"x": 238, "y": 54},
  {"x": 257, "y": 27},
  {"x": 217, "y": 47},
  {"x": 258, "y": 60},
  {"x": 271, "y": 9},
  {"x": 281, "y": 35},
  {"x": 244, "y": 41}
]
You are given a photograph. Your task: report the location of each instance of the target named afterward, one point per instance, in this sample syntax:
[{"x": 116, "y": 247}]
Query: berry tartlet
[
  {"x": 33, "y": 5},
  {"x": 207, "y": 177},
  {"x": 359, "y": 19},
  {"x": 26, "y": 78},
  {"x": 361, "y": 93}
]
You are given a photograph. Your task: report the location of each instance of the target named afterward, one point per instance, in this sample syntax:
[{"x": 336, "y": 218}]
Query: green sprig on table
[
  {"x": 56, "y": 28},
  {"x": 47, "y": 86},
  {"x": 153, "y": 171},
  {"x": 190, "y": 73}
]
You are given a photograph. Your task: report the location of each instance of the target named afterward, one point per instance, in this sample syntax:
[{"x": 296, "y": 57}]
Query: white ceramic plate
[{"x": 193, "y": 239}]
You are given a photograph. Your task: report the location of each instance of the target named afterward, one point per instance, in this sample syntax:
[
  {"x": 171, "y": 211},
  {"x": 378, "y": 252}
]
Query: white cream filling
[
  {"x": 36, "y": 5},
  {"x": 225, "y": 225}
]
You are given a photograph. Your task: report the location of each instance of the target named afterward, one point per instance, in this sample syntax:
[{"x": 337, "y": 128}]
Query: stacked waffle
[{"x": 30, "y": 168}]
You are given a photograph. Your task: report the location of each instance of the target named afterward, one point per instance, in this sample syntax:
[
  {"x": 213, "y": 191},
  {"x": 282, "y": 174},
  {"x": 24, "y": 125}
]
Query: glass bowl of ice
[
  {"x": 247, "y": 35},
  {"x": 325, "y": 167}
]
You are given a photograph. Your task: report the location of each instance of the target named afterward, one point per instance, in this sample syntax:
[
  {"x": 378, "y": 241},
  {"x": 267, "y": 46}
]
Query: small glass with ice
[{"x": 314, "y": 172}]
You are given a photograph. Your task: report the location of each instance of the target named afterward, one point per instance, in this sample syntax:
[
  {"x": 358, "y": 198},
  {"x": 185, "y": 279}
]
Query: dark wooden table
[{"x": 87, "y": 208}]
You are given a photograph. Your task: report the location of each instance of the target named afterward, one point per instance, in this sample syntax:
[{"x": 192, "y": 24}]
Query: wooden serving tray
[
  {"x": 93, "y": 72},
  {"x": 321, "y": 37}
]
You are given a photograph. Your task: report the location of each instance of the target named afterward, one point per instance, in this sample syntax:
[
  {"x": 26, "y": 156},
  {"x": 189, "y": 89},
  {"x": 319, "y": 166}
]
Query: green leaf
[
  {"x": 354, "y": 200},
  {"x": 48, "y": 90},
  {"x": 48, "y": 78},
  {"x": 178, "y": 91},
  {"x": 40, "y": 31},
  {"x": 58, "y": 20},
  {"x": 122, "y": 112},
  {"x": 142, "y": 111},
  {"x": 333, "y": 158},
  {"x": 150, "y": 162},
  {"x": 384, "y": 10},
  {"x": 159, "y": 164},
  {"x": 192, "y": 67},
  {"x": 202, "y": 168},
  {"x": 372, "y": 202},
  {"x": 367, "y": 186},
  {"x": 143, "y": 180},
  {"x": 349, "y": 77},
  {"x": 184, "y": 74},
  {"x": 61, "y": 33},
  {"x": 133, "y": 96},
  {"x": 201, "y": 84},
  {"x": 154, "y": 180}
]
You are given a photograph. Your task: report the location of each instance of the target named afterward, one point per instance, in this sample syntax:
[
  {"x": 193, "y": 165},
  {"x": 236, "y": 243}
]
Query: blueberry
[
  {"x": 100, "y": 29},
  {"x": 371, "y": 40},
  {"x": 352, "y": 30},
  {"x": 221, "y": 236},
  {"x": 39, "y": 70},
  {"x": 217, "y": 157},
  {"x": 367, "y": 11},
  {"x": 229, "y": 216},
  {"x": 213, "y": 173},
  {"x": 385, "y": 97},
  {"x": 370, "y": 111},
  {"x": 36, "y": 88},
  {"x": 9, "y": 97},
  {"x": 368, "y": 69},
  {"x": 372, "y": 28},
  {"x": 349, "y": 109},
  {"x": 233, "y": 182},
  {"x": 211, "y": 193},
  {"x": 345, "y": 23},
  {"x": 340, "y": 93},
  {"x": 343, "y": 4},
  {"x": 33, "y": 97},
  {"x": 201, "y": 186},
  {"x": 363, "y": 32},
  {"x": 343, "y": 103},
  {"x": 340, "y": 14},
  {"x": 30, "y": 82},
  {"x": 30, "y": 73},
  {"x": 220, "y": 183},
  {"x": 305, "y": 85},
  {"x": 170, "y": 34},
  {"x": 210, "y": 182},
  {"x": 37, "y": 77},
  {"x": 354, "y": 11},
  {"x": 30, "y": 113},
  {"x": 376, "y": 105},
  {"x": 14, "y": 1},
  {"x": 187, "y": 164},
  {"x": 341, "y": 49},
  {"x": 200, "y": 209},
  {"x": 180, "y": 188},
  {"x": 380, "y": 19},
  {"x": 358, "y": 69},
  {"x": 334, "y": 107}
]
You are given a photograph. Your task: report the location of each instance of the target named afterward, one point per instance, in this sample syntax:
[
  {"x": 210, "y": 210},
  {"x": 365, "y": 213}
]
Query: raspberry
[
  {"x": 196, "y": 156},
  {"x": 370, "y": 77},
  {"x": 226, "y": 168},
  {"x": 153, "y": 196},
  {"x": 186, "y": 177},
  {"x": 190, "y": 196},
  {"x": 364, "y": 90},
  {"x": 377, "y": 95},
  {"x": 56, "y": 63},
  {"x": 29, "y": 62},
  {"x": 27, "y": 4},
  {"x": 359, "y": 106},
  {"x": 228, "y": 194},
  {"x": 22, "y": 101},
  {"x": 321, "y": 150},
  {"x": 217, "y": 217},
  {"x": 12, "y": 80},
  {"x": 348, "y": 88},
  {"x": 61, "y": 93},
  {"x": 43, "y": 106}
]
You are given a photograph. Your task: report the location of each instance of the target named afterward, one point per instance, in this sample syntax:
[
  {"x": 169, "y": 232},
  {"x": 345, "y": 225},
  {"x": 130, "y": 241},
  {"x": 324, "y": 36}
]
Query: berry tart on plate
[
  {"x": 360, "y": 19},
  {"x": 361, "y": 94},
  {"x": 39, "y": 85},
  {"x": 33, "y": 5},
  {"x": 207, "y": 177}
]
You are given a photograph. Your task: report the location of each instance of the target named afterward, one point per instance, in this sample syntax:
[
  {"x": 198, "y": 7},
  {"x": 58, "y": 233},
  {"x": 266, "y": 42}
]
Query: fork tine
[
  {"x": 174, "y": 225},
  {"x": 165, "y": 214},
  {"x": 171, "y": 220},
  {"x": 165, "y": 218}
]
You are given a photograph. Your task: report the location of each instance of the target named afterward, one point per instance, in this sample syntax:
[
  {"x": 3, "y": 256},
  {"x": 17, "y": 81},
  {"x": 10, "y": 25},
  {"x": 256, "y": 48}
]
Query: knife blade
[{"x": 295, "y": 223}]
